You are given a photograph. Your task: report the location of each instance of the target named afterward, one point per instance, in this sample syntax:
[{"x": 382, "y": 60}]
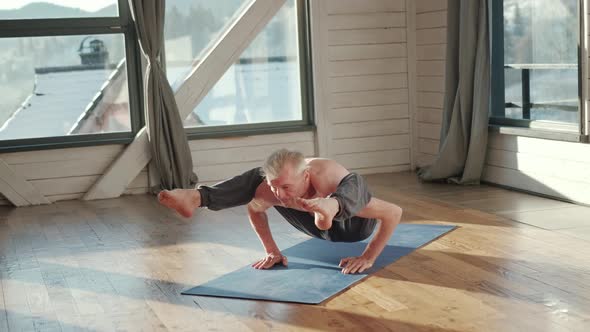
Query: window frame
[
  {"x": 524, "y": 127},
  {"x": 46, "y": 27},
  {"x": 306, "y": 86}
]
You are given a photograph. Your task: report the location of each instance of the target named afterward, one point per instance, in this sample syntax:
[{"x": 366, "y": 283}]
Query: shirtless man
[{"x": 317, "y": 196}]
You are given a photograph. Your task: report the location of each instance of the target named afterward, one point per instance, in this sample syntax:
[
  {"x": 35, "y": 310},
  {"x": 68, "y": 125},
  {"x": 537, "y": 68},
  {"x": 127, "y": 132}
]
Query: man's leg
[
  {"x": 351, "y": 230},
  {"x": 350, "y": 197},
  {"x": 235, "y": 191},
  {"x": 303, "y": 221},
  {"x": 232, "y": 192}
]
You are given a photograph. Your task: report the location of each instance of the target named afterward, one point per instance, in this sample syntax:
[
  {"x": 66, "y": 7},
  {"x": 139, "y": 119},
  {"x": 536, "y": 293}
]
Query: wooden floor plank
[{"x": 120, "y": 264}]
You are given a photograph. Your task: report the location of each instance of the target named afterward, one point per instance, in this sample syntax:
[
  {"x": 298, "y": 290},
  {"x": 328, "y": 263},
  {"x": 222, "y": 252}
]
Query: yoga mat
[{"x": 313, "y": 274}]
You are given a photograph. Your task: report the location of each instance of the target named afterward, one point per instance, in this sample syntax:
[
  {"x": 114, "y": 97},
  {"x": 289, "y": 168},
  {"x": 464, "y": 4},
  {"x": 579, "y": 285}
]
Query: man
[{"x": 317, "y": 196}]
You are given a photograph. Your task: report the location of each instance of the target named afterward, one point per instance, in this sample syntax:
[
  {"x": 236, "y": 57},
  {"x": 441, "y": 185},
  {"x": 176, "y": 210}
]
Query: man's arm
[
  {"x": 389, "y": 215},
  {"x": 326, "y": 178},
  {"x": 259, "y": 220}
]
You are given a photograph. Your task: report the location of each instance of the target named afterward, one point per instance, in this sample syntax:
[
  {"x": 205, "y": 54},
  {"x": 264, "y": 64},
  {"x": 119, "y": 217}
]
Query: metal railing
[{"x": 525, "y": 69}]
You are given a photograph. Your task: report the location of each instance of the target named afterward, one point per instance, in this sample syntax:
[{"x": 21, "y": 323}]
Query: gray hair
[{"x": 278, "y": 159}]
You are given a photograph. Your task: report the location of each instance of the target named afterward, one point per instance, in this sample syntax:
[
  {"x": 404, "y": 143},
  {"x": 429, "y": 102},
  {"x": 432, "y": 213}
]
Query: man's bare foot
[
  {"x": 324, "y": 210},
  {"x": 183, "y": 201}
]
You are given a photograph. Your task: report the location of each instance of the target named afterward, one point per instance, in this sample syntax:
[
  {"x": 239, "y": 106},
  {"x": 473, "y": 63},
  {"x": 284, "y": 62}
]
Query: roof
[
  {"x": 58, "y": 100},
  {"x": 84, "y": 99}
]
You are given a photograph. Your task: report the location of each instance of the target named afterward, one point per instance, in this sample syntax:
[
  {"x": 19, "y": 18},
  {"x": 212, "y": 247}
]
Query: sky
[{"x": 86, "y": 5}]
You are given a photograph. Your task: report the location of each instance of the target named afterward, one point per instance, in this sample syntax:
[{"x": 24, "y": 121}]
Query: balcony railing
[{"x": 525, "y": 69}]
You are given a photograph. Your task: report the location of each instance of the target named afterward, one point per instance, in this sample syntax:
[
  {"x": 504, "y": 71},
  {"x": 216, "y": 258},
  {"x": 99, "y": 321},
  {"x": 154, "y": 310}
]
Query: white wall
[
  {"x": 559, "y": 169},
  {"x": 67, "y": 173},
  {"x": 218, "y": 159},
  {"x": 361, "y": 77},
  {"x": 431, "y": 37}
]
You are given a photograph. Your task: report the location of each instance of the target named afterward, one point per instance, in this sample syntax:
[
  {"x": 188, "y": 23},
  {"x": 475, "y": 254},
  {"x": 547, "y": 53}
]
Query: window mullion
[{"x": 51, "y": 27}]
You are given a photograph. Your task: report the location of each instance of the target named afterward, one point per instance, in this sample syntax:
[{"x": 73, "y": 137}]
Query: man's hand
[
  {"x": 270, "y": 260},
  {"x": 355, "y": 264}
]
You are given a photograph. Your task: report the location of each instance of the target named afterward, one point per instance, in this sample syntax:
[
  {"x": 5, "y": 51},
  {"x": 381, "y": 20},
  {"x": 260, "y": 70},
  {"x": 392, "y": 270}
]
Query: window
[
  {"x": 266, "y": 87},
  {"x": 36, "y": 9},
  {"x": 68, "y": 74},
  {"x": 535, "y": 65}
]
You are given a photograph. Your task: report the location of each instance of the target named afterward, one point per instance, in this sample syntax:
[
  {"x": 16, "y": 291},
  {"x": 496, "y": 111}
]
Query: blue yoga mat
[{"x": 313, "y": 274}]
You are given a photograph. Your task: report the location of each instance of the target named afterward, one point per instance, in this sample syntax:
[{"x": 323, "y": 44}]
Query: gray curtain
[
  {"x": 464, "y": 133},
  {"x": 170, "y": 151}
]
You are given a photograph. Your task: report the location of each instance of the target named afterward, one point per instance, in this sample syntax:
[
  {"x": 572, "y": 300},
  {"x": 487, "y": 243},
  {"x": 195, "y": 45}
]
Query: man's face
[{"x": 289, "y": 185}]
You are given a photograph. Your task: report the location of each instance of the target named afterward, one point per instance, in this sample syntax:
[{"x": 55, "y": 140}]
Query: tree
[
  {"x": 174, "y": 24},
  {"x": 202, "y": 24}
]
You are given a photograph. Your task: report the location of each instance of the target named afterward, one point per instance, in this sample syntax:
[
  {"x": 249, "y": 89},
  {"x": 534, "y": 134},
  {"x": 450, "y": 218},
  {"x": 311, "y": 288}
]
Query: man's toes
[{"x": 164, "y": 197}]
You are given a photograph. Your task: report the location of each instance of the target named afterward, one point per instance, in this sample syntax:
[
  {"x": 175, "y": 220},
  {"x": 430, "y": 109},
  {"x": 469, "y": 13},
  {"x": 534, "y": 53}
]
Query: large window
[
  {"x": 266, "y": 87},
  {"x": 535, "y": 61},
  {"x": 67, "y": 68}
]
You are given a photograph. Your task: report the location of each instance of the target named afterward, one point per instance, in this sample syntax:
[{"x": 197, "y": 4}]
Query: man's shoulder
[
  {"x": 319, "y": 164},
  {"x": 324, "y": 166},
  {"x": 326, "y": 174}
]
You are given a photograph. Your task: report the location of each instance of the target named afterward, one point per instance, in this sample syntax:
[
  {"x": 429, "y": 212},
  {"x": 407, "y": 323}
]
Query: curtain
[
  {"x": 170, "y": 151},
  {"x": 464, "y": 130}
]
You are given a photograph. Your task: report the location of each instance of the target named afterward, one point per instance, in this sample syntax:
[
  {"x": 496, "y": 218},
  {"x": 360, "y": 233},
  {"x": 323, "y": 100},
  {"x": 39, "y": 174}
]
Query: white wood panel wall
[
  {"x": 218, "y": 159},
  {"x": 363, "y": 72},
  {"x": 431, "y": 42},
  {"x": 554, "y": 168},
  {"x": 67, "y": 173}
]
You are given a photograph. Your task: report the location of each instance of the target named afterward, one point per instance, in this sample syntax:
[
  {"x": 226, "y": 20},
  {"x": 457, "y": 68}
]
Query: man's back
[{"x": 325, "y": 174}]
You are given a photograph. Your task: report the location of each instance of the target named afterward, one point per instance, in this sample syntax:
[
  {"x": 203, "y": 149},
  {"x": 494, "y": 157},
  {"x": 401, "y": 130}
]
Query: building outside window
[{"x": 64, "y": 73}]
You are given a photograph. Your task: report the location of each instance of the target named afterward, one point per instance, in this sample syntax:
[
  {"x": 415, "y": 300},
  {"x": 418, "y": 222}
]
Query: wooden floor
[{"x": 121, "y": 264}]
